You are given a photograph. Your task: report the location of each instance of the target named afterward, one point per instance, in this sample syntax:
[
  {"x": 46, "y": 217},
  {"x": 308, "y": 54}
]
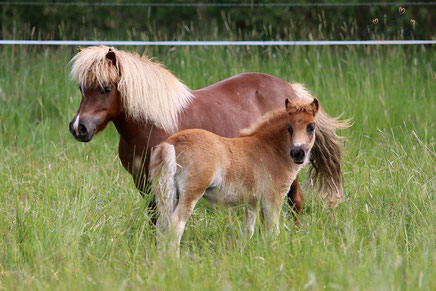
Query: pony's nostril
[{"x": 82, "y": 129}]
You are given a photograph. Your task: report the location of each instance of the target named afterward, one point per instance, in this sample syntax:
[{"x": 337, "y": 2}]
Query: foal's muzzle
[
  {"x": 298, "y": 154},
  {"x": 85, "y": 130}
]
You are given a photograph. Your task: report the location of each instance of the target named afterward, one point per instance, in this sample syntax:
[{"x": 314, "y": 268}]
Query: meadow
[{"x": 71, "y": 218}]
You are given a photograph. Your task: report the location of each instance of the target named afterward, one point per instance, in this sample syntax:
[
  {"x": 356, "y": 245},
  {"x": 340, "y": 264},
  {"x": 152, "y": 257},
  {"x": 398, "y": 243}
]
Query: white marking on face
[
  {"x": 297, "y": 145},
  {"x": 76, "y": 124}
]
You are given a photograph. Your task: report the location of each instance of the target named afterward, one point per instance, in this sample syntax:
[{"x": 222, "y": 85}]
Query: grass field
[{"x": 70, "y": 217}]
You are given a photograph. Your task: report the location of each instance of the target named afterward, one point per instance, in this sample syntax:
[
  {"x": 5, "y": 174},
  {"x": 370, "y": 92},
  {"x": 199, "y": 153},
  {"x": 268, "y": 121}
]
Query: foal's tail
[
  {"x": 326, "y": 170},
  {"x": 163, "y": 167}
]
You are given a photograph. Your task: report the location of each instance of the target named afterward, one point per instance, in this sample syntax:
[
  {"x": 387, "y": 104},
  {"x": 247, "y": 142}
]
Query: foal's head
[
  {"x": 301, "y": 127},
  {"x": 97, "y": 73}
]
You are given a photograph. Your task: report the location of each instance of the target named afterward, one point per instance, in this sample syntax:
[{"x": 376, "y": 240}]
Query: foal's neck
[{"x": 275, "y": 133}]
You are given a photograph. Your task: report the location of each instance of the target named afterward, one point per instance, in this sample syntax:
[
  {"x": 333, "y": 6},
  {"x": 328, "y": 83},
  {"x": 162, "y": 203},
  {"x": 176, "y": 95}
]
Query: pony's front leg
[
  {"x": 295, "y": 199},
  {"x": 250, "y": 214}
]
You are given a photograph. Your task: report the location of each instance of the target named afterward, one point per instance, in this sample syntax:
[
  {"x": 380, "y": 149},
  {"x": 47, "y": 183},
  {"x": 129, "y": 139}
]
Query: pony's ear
[
  {"x": 315, "y": 106},
  {"x": 111, "y": 56}
]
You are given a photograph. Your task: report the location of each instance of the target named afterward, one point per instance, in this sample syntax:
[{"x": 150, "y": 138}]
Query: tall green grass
[{"x": 70, "y": 217}]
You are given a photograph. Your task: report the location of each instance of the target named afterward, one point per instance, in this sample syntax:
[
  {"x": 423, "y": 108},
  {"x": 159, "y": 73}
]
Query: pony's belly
[{"x": 228, "y": 197}]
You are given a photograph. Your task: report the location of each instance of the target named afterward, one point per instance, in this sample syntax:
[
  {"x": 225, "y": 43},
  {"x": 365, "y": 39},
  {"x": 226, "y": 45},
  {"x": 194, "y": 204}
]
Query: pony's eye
[
  {"x": 106, "y": 90},
  {"x": 311, "y": 128},
  {"x": 290, "y": 130}
]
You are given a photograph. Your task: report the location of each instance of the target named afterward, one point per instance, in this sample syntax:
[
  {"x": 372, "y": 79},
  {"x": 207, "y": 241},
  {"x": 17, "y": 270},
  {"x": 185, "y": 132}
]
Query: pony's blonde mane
[
  {"x": 301, "y": 92},
  {"x": 148, "y": 91}
]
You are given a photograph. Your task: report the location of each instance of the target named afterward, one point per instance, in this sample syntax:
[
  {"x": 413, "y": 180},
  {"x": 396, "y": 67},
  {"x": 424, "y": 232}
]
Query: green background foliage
[{"x": 248, "y": 23}]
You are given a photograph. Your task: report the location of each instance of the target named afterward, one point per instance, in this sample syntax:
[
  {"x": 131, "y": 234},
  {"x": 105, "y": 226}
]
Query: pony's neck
[
  {"x": 150, "y": 92},
  {"x": 138, "y": 133}
]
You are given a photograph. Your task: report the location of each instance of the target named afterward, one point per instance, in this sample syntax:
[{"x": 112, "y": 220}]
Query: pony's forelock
[
  {"x": 91, "y": 69},
  {"x": 149, "y": 92}
]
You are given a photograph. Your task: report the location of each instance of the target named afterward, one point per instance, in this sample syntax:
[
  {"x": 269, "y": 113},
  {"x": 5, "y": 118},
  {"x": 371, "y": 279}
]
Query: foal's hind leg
[
  {"x": 250, "y": 220},
  {"x": 180, "y": 216},
  {"x": 189, "y": 193},
  {"x": 295, "y": 198}
]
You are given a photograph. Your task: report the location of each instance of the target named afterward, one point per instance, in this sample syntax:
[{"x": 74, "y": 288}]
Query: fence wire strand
[{"x": 217, "y": 43}]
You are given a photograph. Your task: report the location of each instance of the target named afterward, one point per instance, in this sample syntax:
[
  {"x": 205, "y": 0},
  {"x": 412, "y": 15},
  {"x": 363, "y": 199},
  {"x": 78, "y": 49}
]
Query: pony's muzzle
[
  {"x": 298, "y": 154},
  {"x": 83, "y": 130}
]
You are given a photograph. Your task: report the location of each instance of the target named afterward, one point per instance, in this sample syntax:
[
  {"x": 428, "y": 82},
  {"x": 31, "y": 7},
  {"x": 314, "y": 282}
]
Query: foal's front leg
[{"x": 271, "y": 211}]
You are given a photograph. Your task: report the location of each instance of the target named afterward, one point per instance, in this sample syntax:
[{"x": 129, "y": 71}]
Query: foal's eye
[
  {"x": 290, "y": 130},
  {"x": 106, "y": 90},
  {"x": 311, "y": 128}
]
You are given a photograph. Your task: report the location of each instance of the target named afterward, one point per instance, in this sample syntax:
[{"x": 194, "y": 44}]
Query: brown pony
[
  {"x": 147, "y": 104},
  {"x": 257, "y": 166}
]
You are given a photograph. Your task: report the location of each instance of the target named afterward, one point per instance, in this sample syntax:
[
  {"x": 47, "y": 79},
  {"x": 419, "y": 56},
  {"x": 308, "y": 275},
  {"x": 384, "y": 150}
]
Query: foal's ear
[
  {"x": 288, "y": 104},
  {"x": 315, "y": 106},
  {"x": 111, "y": 56}
]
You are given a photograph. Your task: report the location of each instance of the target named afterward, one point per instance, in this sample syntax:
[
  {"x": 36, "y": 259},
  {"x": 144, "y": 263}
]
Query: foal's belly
[{"x": 229, "y": 197}]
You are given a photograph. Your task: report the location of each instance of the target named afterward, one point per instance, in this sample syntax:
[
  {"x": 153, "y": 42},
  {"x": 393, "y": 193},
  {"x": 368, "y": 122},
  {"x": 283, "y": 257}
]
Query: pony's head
[
  {"x": 113, "y": 82},
  {"x": 97, "y": 73},
  {"x": 301, "y": 128}
]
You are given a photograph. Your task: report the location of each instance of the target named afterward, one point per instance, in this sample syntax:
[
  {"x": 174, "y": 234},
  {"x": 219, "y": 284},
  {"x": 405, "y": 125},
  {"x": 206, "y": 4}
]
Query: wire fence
[
  {"x": 214, "y": 43},
  {"x": 217, "y": 43},
  {"x": 180, "y": 4}
]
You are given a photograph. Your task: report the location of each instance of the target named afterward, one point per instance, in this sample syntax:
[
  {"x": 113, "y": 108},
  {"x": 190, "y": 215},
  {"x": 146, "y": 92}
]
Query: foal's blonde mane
[
  {"x": 148, "y": 91},
  {"x": 273, "y": 117},
  {"x": 267, "y": 119}
]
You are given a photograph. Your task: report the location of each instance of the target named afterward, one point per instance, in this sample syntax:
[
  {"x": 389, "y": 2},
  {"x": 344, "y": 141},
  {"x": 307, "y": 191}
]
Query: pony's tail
[
  {"x": 326, "y": 154},
  {"x": 163, "y": 167}
]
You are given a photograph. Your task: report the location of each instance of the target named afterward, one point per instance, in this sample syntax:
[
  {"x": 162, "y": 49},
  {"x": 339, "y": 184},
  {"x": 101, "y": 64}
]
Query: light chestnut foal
[{"x": 257, "y": 166}]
